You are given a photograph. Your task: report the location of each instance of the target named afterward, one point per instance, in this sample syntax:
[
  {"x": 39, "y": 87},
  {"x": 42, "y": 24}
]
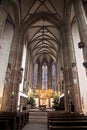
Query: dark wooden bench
[
  {"x": 10, "y": 121},
  {"x": 24, "y": 118},
  {"x": 4, "y": 124},
  {"x": 67, "y": 127},
  {"x": 13, "y": 120},
  {"x": 64, "y": 121}
]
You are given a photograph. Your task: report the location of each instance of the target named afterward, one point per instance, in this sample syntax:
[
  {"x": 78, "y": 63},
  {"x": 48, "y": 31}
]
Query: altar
[
  {"x": 42, "y": 107},
  {"x": 44, "y": 98}
]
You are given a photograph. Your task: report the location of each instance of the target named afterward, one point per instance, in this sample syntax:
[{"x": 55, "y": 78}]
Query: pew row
[
  {"x": 13, "y": 120},
  {"x": 63, "y": 121}
]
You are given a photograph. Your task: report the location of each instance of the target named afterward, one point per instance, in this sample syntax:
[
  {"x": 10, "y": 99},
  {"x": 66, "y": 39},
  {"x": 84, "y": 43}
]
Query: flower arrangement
[
  {"x": 31, "y": 98},
  {"x": 55, "y": 101},
  {"x": 31, "y": 101}
]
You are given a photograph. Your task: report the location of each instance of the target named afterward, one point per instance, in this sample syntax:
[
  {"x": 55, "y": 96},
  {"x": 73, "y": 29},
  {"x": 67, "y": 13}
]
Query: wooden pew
[
  {"x": 24, "y": 117},
  {"x": 14, "y": 120},
  {"x": 65, "y": 121},
  {"x": 67, "y": 128},
  {"x": 10, "y": 121},
  {"x": 4, "y": 125}
]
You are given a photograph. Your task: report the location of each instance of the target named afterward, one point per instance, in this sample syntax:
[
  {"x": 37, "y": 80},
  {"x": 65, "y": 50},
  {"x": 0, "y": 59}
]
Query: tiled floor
[{"x": 35, "y": 127}]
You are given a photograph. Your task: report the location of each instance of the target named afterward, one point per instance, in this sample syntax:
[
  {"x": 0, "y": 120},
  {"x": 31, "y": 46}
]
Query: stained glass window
[
  {"x": 53, "y": 76},
  {"x": 35, "y": 75},
  {"x": 44, "y": 76}
]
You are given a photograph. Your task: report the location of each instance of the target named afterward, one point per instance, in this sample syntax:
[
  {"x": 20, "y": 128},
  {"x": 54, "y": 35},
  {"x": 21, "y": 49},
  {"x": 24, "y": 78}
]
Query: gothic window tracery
[
  {"x": 53, "y": 76},
  {"x": 44, "y": 76},
  {"x": 35, "y": 75}
]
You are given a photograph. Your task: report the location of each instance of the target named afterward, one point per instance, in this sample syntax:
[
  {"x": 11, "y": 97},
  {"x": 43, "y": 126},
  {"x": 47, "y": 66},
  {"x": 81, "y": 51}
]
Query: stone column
[
  {"x": 8, "y": 94},
  {"x": 39, "y": 80},
  {"x": 26, "y": 73},
  {"x": 3, "y": 13},
  {"x": 75, "y": 90},
  {"x": 80, "y": 16},
  {"x": 67, "y": 69},
  {"x": 32, "y": 72},
  {"x": 59, "y": 73},
  {"x": 49, "y": 81},
  {"x": 75, "y": 96},
  {"x": 39, "y": 83},
  {"x": 50, "y": 74},
  {"x": 17, "y": 73},
  {"x": 28, "y": 70}
]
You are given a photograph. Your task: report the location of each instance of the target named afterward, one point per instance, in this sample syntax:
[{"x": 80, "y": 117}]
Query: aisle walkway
[
  {"x": 35, "y": 127},
  {"x": 37, "y": 121}
]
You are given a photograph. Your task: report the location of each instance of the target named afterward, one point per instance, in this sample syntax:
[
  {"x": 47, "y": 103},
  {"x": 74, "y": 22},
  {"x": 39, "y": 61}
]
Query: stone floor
[
  {"x": 38, "y": 117},
  {"x": 35, "y": 127},
  {"x": 37, "y": 121}
]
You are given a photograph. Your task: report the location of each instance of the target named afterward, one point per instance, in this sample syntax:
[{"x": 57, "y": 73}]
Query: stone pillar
[
  {"x": 80, "y": 16},
  {"x": 67, "y": 77},
  {"x": 9, "y": 92},
  {"x": 75, "y": 90},
  {"x": 74, "y": 94},
  {"x": 49, "y": 81},
  {"x": 39, "y": 83},
  {"x": 67, "y": 69},
  {"x": 32, "y": 72},
  {"x": 3, "y": 13},
  {"x": 27, "y": 72},
  {"x": 50, "y": 74},
  {"x": 59, "y": 67},
  {"x": 39, "y": 80},
  {"x": 17, "y": 73}
]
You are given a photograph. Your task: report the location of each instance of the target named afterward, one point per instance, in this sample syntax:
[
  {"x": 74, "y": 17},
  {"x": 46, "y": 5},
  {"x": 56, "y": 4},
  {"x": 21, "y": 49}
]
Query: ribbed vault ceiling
[
  {"x": 43, "y": 36},
  {"x": 43, "y": 40}
]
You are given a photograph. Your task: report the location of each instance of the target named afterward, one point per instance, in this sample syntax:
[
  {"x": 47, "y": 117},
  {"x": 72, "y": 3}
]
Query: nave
[{"x": 43, "y": 64}]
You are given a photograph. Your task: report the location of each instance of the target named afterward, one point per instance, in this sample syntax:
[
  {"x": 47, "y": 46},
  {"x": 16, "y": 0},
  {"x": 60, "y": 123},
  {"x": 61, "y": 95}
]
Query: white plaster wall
[
  {"x": 22, "y": 82},
  {"x": 5, "y": 43},
  {"x": 81, "y": 69},
  {"x": 23, "y": 66}
]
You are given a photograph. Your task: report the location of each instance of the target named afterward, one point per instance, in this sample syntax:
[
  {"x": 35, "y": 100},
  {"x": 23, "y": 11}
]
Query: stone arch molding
[
  {"x": 16, "y": 21},
  {"x": 42, "y": 16}
]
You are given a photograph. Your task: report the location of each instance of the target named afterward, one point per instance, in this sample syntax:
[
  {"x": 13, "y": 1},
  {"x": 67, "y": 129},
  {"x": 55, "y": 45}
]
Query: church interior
[{"x": 43, "y": 63}]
